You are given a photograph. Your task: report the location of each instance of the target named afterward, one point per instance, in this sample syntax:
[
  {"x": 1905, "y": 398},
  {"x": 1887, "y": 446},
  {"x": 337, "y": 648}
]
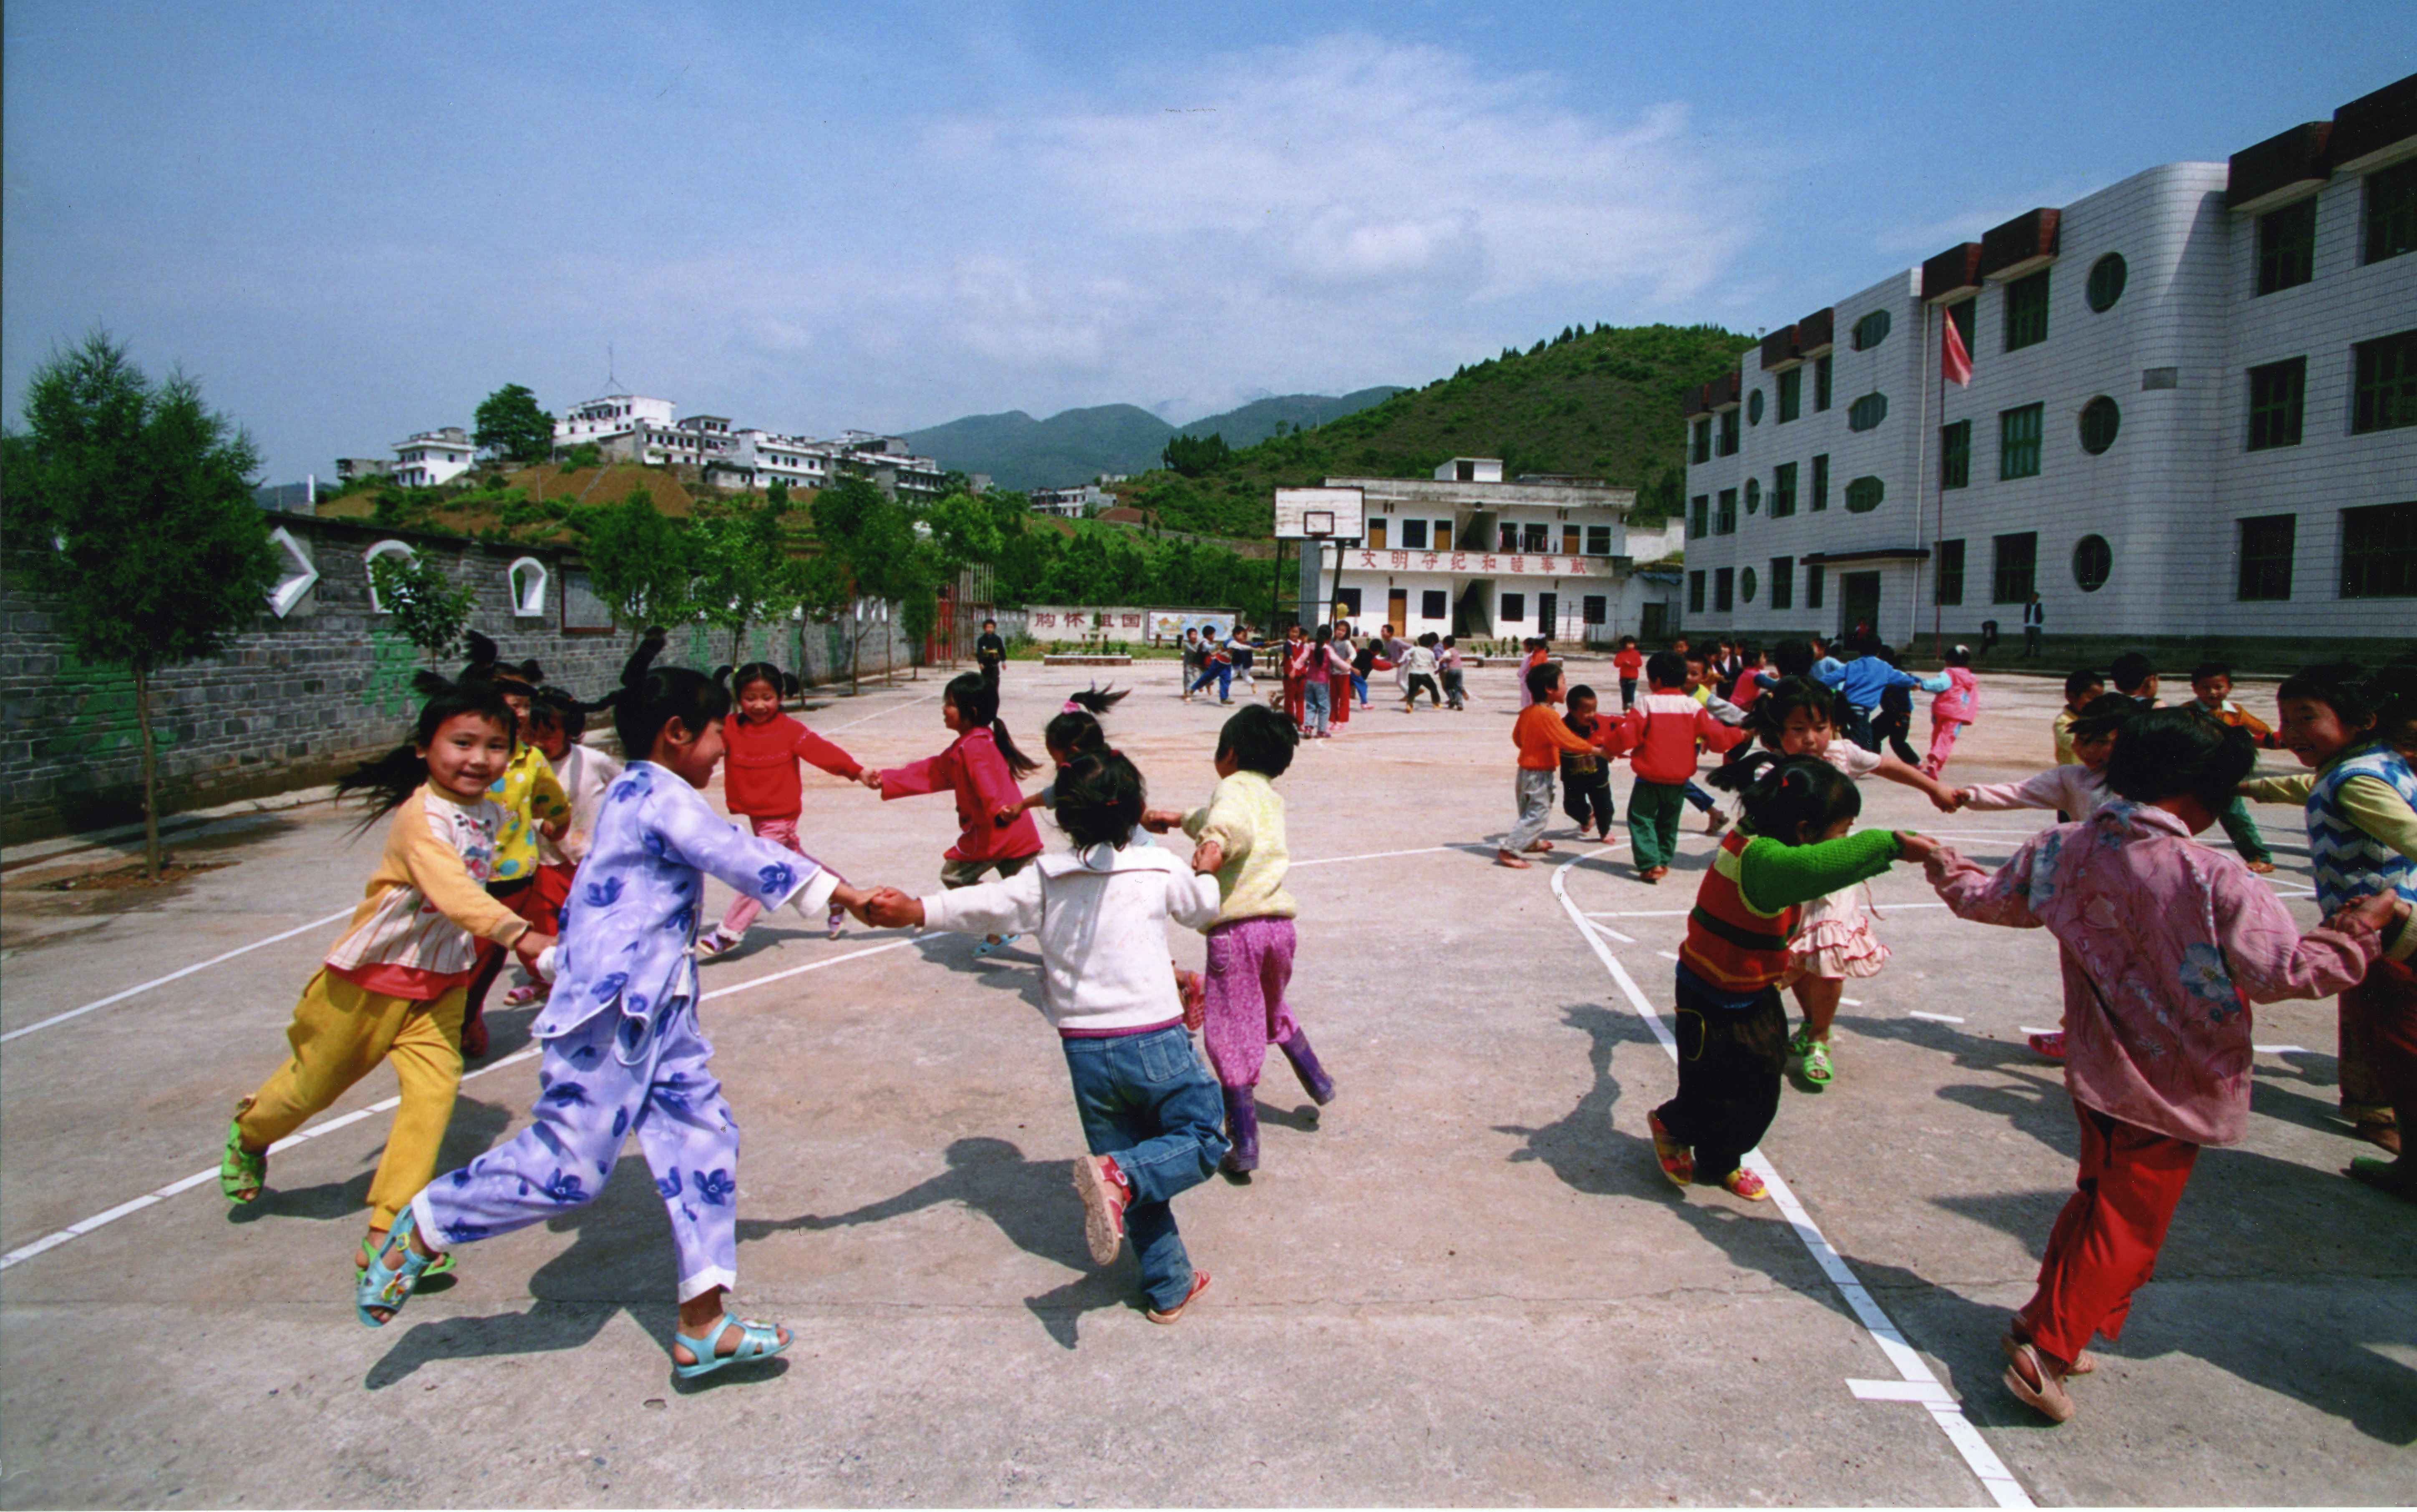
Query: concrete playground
[{"x": 1464, "y": 1283}]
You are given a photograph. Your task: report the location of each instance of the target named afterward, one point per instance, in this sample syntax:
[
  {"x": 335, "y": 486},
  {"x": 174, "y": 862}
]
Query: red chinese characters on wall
[
  {"x": 1131, "y": 621},
  {"x": 1367, "y": 559},
  {"x": 1046, "y": 622},
  {"x": 1399, "y": 559}
]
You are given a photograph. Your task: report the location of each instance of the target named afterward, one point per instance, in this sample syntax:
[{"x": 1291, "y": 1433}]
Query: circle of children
[{"x": 591, "y": 875}]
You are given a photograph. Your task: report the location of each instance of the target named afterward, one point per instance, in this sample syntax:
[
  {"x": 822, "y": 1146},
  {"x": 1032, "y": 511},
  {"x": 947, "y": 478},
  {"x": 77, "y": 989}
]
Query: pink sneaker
[{"x": 2050, "y": 1044}]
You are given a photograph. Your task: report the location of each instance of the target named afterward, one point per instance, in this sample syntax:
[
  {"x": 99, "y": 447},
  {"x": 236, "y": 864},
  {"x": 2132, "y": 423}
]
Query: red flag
[{"x": 1954, "y": 363}]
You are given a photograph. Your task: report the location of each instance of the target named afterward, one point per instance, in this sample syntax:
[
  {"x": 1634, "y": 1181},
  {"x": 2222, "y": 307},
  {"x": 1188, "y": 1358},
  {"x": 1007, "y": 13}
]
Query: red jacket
[
  {"x": 1661, "y": 731},
  {"x": 973, "y": 769},
  {"x": 1631, "y": 663},
  {"x": 759, "y": 774}
]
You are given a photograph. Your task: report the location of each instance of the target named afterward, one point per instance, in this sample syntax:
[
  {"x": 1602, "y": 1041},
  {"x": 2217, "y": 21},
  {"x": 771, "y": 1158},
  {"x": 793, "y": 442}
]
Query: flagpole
[
  {"x": 1940, "y": 533},
  {"x": 1921, "y": 467}
]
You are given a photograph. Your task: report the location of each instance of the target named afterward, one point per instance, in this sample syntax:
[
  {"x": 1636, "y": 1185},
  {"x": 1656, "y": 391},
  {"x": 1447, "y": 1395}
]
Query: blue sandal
[
  {"x": 381, "y": 1286},
  {"x": 986, "y": 948},
  {"x": 757, "y": 1341}
]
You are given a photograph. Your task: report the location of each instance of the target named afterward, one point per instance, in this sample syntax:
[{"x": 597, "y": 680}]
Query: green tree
[
  {"x": 871, "y": 545},
  {"x": 510, "y": 425},
  {"x": 132, "y": 502},
  {"x": 637, "y": 560},
  {"x": 1192, "y": 456},
  {"x": 431, "y": 613},
  {"x": 740, "y": 566}
]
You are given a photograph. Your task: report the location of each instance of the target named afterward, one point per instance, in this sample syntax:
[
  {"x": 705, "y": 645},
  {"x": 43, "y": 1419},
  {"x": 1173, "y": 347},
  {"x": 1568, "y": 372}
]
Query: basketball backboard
[{"x": 1320, "y": 514}]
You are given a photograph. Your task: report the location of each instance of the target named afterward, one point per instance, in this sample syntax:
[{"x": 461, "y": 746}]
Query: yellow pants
[{"x": 339, "y": 1033}]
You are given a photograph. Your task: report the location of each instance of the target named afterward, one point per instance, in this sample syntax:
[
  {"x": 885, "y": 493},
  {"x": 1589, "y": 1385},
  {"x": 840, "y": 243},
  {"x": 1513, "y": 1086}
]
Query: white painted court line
[
  {"x": 78, "y": 1229},
  {"x": 892, "y": 708},
  {"x": 1373, "y": 855},
  {"x": 1911, "y": 1370},
  {"x": 2279, "y": 1050},
  {"x": 163, "y": 981},
  {"x": 1934, "y": 1018},
  {"x": 1605, "y": 928},
  {"x": 2033, "y": 1029}
]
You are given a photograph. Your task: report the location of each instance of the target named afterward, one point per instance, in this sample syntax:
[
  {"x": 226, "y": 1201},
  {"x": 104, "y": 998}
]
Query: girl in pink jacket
[
  {"x": 1952, "y": 710},
  {"x": 980, "y": 767}
]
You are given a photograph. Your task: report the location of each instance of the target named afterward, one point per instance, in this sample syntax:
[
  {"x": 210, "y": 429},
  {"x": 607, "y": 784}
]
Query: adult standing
[
  {"x": 2034, "y": 623},
  {"x": 990, "y": 654}
]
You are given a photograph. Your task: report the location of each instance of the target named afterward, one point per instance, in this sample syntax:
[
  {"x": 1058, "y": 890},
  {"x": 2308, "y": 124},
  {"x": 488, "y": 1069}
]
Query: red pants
[
  {"x": 1297, "y": 701},
  {"x": 1341, "y": 685},
  {"x": 539, "y": 901},
  {"x": 2103, "y": 1247},
  {"x": 2379, "y": 1038}
]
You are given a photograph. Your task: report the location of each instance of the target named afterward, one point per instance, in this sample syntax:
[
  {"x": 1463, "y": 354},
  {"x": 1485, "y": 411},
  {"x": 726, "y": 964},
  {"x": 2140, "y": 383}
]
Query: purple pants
[{"x": 1250, "y": 962}]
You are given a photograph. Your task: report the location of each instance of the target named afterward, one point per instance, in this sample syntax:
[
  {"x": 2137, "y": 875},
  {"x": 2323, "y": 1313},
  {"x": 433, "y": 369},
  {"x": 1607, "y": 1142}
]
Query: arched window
[
  {"x": 526, "y": 578},
  {"x": 384, "y": 548}
]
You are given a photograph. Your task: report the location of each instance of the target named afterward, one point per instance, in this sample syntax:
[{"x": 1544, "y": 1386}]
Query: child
[
  {"x": 2212, "y": 692},
  {"x": 556, "y": 723},
  {"x": 1661, "y": 733},
  {"x": 2165, "y": 946},
  {"x": 623, "y": 1052},
  {"x": 990, "y": 652},
  {"x": 1298, "y": 652},
  {"x": 1585, "y": 779},
  {"x": 1150, "y": 1112},
  {"x": 392, "y": 987},
  {"x": 1952, "y": 710},
  {"x": 1532, "y": 656},
  {"x": 1698, "y": 686},
  {"x": 1250, "y": 943},
  {"x": 1543, "y": 739},
  {"x": 1418, "y": 672},
  {"x": 1732, "y": 1030},
  {"x": 2136, "y": 676},
  {"x": 981, "y": 767},
  {"x": 2361, "y": 815},
  {"x": 2080, "y": 688},
  {"x": 760, "y": 782},
  {"x": 1448, "y": 659},
  {"x": 1861, "y": 681},
  {"x": 1339, "y": 676},
  {"x": 532, "y": 805},
  {"x": 1216, "y": 665},
  {"x": 1193, "y": 654},
  {"x": 1893, "y": 721},
  {"x": 1363, "y": 665},
  {"x": 1074, "y": 731},
  {"x": 1833, "y": 939},
  {"x": 1630, "y": 663},
  {"x": 1747, "y": 685}
]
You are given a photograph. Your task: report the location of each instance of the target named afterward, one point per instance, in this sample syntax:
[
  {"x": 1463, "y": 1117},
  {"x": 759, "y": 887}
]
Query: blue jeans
[
  {"x": 1222, "y": 674},
  {"x": 1146, "y": 1100},
  {"x": 1702, "y": 800},
  {"x": 1359, "y": 689},
  {"x": 1315, "y": 710}
]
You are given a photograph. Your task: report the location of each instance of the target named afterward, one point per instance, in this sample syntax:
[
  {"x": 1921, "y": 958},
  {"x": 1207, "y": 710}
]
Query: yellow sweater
[
  {"x": 529, "y": 795},
  {"x": 427, "y": 895},
  {"x": 1246, "y": 816}
]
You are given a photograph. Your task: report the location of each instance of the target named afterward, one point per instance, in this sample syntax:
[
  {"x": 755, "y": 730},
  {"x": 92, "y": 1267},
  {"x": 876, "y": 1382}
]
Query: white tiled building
[
  {"x": 433, "y": 457},
  {"x": 2192, "y": 421},
  {"x": 1468, "y": 554},
  {"x": 631, "y": 427}
]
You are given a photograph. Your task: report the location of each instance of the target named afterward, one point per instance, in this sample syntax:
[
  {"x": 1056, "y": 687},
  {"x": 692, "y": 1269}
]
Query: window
[
  {"x": 1782, "y": 490},
  {"x": 1569, "y": 540},
  {"x": 2018, "y": 442},
  {"x": 1414, "y": 534},
  {"x": 1510, "y": 536},
  {"x": 526, "y": 580},
  {"x": 1754, "y": 495},
  {"x": 1598, "y": 541},
  {"x": 1434, "y": 603},
  {"x": 1729, "y": 432},
  {"x": 2100, "y": 420},
  {"x": 1514, "y": 607},
  {"x": 1863, "y": 494},
  {"x": 369, "y": 559},
  {"x": 1699, "y": 515},
  {"x": 2391, "y": 211},
  {"x": 1348, "y": 601},
  {"x": 2380, "y": 551},
  {"x": 1947, "y": 573},
  {"x": 1594, "y": 609},
  {"x": 1867, "y": 412},
  {"x": 2017, "y": 568},
  {"x": 2027, "y": 312},
  {"x": 1725, "y": 518},
  {"x": 1695, "y": 593},
  {"x": 1963, "y": 312},
  {"x": 1783, "y": 582},
  {"x": 1955, "y": 454},
  {"x": 2286, "y": 245},
  {"x": 299, "y": 576},
  {"x": 1821, "y": 486},
  {"x": 1703, "y": 452},
  {"x": 2383, "y": 395},
  {"x": 1535, "y": 537},
  {"x": 1753, "y": 408},
  {"x": 1821, "y": 383},
  {"x": 1464, "y": 470},
  {"x": 2276, "y": 394},
  {"x": 1816, "y": 579},
  {"x": 1871, "y": 330},
  {"x": 1441, "y": 539},
  {"x": 1724, "y": 589},
  {"x": 1745, "y": 586},
  {"x": 1376, "y": 534},
  {"x": 2107, "y": 277},
  {"x": 2267, "y": 542},
  {"x": 2092, "y": 560},
  {"x": 1791, "y": 394}
]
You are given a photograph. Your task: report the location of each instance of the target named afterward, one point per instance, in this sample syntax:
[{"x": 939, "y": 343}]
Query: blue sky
[{"x": 352, "y": 221}]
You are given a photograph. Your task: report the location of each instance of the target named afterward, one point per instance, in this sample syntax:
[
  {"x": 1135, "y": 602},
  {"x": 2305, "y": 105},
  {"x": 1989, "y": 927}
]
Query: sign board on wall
[{"x": 1055, "y": 624}]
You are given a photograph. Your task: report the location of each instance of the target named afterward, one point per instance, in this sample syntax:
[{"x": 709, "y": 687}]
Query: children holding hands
[{"x": 1543, "y": 739}]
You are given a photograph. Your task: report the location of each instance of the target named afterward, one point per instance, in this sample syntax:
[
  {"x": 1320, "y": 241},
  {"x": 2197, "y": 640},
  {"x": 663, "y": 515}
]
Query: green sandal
[
  {"x": 241, "y": 1172},
  {"x": 1813, "y": 1056},
  {"x": 381, "y": 1286},
  {"x": 441, "y": 1265},
  {"x": 756, "y": 1341}
]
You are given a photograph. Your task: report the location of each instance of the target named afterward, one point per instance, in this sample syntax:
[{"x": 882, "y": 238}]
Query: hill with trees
[
  {"x": 1076, "y": 445},
  {"x": 1604, "y": 402}
]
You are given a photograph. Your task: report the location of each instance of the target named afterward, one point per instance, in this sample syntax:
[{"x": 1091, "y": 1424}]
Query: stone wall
[{"x": 296, "y": 701}]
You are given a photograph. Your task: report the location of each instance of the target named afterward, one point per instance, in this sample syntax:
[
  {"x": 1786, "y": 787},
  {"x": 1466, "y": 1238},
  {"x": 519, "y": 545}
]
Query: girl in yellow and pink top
[
  {"x": 1952, "y": 710},
  {"x": 392, "y": 987}
]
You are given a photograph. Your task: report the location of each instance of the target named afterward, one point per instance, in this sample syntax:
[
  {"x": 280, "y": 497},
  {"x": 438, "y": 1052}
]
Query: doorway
[
  {"x": 1397, "y": 610},
  {"x": 1548, "y": 614},
  {"x": 1859, "y": 602}
]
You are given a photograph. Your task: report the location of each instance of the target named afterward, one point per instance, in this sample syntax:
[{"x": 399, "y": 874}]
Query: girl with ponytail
[
  {"x": 622, "y": 1050},
  {"x": 760, "y": 781},
  {"x": 980, "y": 767}
]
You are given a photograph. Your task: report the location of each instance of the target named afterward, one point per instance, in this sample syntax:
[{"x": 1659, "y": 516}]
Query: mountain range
[{"x": 1076, "y": 446}]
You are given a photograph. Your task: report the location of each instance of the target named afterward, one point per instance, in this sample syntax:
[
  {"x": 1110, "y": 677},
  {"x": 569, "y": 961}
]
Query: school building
[
  {"x": 1469, "y": 554},
  {"x": 2191, "y": 423}
]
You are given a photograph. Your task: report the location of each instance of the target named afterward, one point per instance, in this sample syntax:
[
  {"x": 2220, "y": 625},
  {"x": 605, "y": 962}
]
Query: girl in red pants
[
  {"x": 759, "y": 779},
  {"x": 2165, "y": 946}
]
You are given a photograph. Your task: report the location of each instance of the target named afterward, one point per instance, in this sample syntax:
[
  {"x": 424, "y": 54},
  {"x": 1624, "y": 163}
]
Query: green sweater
[{"x": 1772, "y": 876}]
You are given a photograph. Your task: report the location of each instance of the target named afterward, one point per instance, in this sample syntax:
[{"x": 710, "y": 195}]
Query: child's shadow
[
  {"x": 1033, "y": 1203},
  {"x": 618, "y": 1252}
]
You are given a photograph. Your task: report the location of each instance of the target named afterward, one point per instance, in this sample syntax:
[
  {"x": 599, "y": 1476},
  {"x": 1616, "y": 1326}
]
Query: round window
[
  {"x": 2100, "y": 420},
  {"x": 1867, "y": 412},
  {"x": 1753, "y": 408},
  {"x": 1745, "y": 586},
  {"x": 1871, "y": 330},
  {"x": 1863, "y": 495},
  {"x": 2092, "y": 560},
  {"x": 1753, "y": 494},
  {"x": 2106, "y": 281}
]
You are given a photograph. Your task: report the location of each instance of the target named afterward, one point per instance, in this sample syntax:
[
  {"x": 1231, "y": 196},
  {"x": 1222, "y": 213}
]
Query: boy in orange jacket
[
  {"x": 1541, "y": 737},
  {"x": 1660, "y": 733}
]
